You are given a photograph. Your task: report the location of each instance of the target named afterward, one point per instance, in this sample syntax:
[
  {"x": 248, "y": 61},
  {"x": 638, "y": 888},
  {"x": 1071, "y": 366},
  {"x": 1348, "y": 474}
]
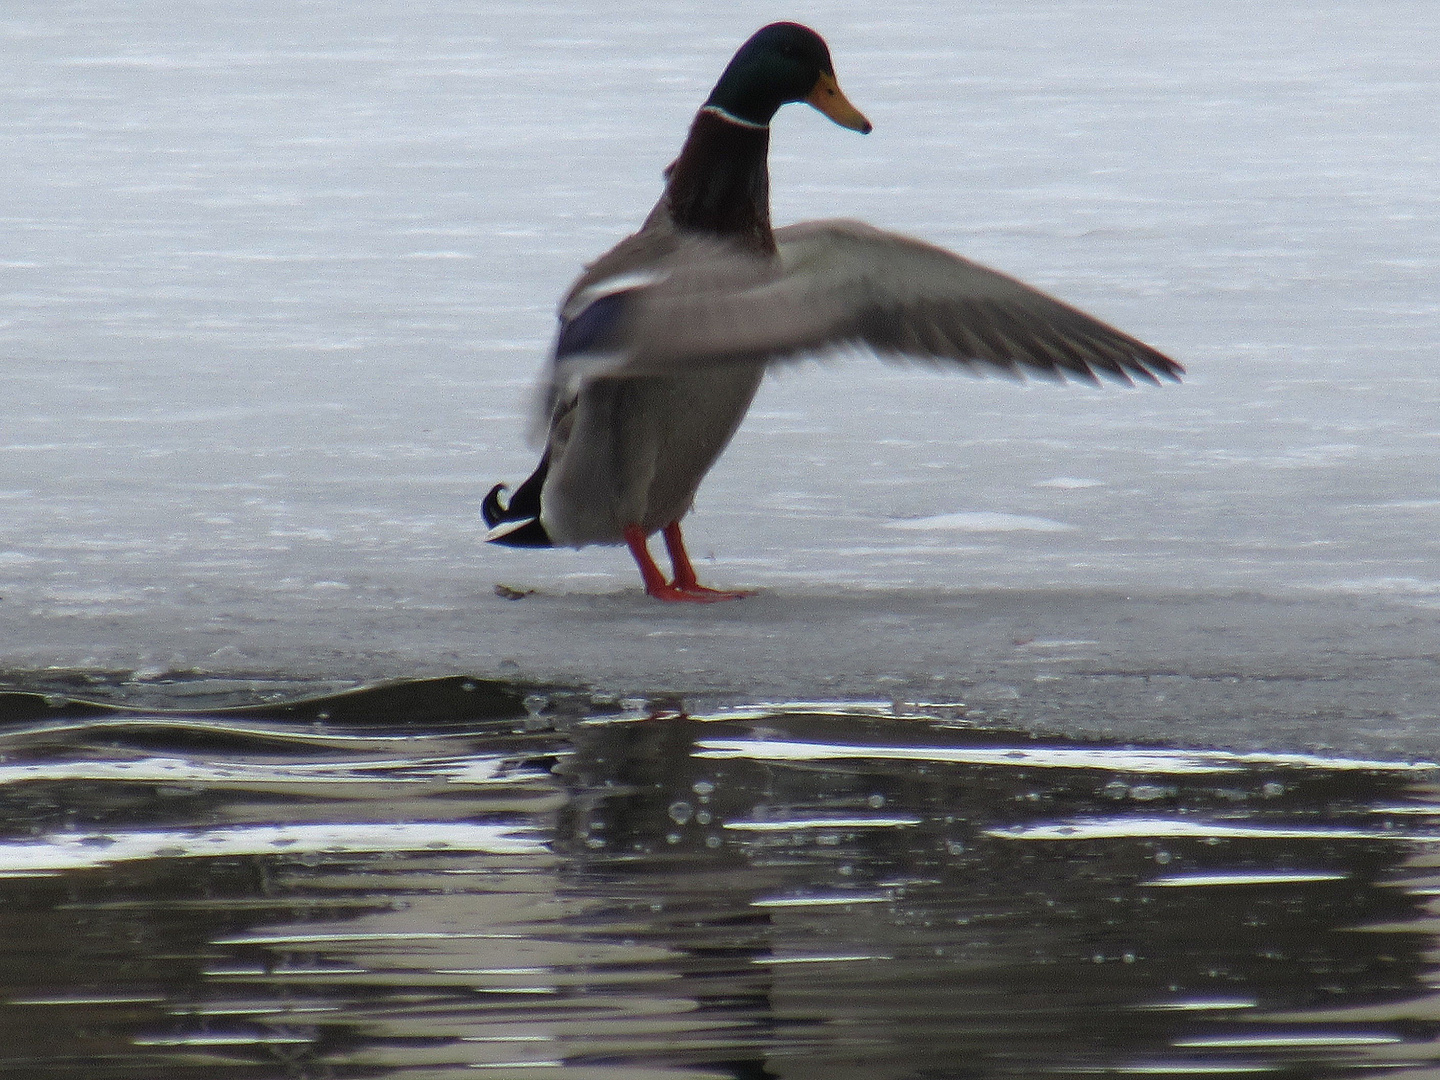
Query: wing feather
[{"x": 677, "y": 301}]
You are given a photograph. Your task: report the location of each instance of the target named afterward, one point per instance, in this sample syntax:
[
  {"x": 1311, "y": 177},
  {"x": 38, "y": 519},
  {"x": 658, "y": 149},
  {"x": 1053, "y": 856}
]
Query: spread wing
[{"x": 661, "y": 305}]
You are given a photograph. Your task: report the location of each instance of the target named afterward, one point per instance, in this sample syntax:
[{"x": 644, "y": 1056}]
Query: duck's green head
[{"x": 782, "y": 62}]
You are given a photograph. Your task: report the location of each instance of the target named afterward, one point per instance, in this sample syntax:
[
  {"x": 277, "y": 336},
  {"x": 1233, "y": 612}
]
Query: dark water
[{"x": 458, "y": 878}]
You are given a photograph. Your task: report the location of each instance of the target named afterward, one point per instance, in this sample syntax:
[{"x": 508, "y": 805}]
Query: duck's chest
[
  {"x": 701, "y": 412},
  {"x": 679, "y": 428}
]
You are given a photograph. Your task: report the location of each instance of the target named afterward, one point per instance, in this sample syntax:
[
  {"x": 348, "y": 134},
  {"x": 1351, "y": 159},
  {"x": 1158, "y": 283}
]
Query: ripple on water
[{"x": 426, "y": 879}]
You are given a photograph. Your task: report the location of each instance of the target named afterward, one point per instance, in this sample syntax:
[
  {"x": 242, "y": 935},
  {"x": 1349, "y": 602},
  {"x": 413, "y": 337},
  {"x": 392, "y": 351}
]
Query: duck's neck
[{"x": 720, "y": 183}]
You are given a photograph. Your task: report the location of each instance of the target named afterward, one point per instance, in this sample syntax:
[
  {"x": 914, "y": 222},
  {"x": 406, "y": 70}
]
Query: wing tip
[{"x": 1157, "y": 365}]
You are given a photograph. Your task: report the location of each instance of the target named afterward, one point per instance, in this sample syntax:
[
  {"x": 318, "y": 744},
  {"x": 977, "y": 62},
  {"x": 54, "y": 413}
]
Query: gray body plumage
[{"x": 635, "y": 450}]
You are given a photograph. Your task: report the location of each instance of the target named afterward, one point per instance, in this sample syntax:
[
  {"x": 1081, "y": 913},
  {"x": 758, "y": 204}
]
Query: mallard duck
[{"x": 663, "y": 341}]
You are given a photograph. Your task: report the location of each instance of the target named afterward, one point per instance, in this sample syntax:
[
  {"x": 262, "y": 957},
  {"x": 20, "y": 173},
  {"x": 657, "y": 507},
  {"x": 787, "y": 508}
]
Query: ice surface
[{"x": 277, "y": 279}]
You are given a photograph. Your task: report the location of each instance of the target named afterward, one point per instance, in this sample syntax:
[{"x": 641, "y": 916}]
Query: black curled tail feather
[{"x": 521, "y": 515}]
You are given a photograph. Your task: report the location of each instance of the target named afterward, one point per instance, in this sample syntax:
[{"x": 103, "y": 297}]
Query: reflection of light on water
[
  {"x": 792, "y": 824},
  {"x": 836, "y": 900},
  {"x": 75, "y": 851},
  {"x": 90, "y": 999},
  {"x": 175, "y": 770},
  {"x": 1287, "y": 1039},
  {"x": 126, "y": 724},
  {"x": 767, "y": 710},
  {"x": 1262, "y": 877},
  {"x": 1174, "y": 828},
  {"x": 339, "y": 937},
  {"x": 222, "y": 1040},
  {"x": 1170, "y": 762},
  {"x": 1200, "y": 1005},
  {"x": 556, "y": 1064},
  {"x": 261, "y": 1008}
]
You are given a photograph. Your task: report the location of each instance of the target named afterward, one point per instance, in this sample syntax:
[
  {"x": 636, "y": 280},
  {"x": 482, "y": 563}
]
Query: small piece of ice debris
[{"x": 981, "y": 522}]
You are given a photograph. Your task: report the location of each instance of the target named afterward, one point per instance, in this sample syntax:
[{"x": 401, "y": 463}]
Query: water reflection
[{"x": 429, "y": 880}]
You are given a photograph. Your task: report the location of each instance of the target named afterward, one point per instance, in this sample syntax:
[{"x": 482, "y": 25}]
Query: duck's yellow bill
[{"x": 825, "y": 95}]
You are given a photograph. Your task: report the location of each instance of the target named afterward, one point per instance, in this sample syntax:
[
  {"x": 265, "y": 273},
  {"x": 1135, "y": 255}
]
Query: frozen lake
[{"x": 277, "y": 280}]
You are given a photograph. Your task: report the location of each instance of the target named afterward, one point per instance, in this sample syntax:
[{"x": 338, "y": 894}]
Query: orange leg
[
  {"x": 650, "y": 573},
  {"x": 685, "y": 572},
  {"x": 685, "y": 586},
  {"x": 680, "y": 558}
]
